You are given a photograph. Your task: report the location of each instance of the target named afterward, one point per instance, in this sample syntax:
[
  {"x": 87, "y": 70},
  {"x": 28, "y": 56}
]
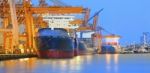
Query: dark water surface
[{"x": 109, "y": 63}]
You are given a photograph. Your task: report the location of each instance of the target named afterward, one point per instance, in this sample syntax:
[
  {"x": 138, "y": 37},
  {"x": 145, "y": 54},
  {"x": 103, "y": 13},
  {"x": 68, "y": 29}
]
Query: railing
[
  {"x": 17, "y": 51},
  {"x": 15, "y": 56}
]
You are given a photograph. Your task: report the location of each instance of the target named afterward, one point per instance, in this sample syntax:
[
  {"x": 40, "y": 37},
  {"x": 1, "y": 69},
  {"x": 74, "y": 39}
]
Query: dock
[{"x": 15, "y": 56}]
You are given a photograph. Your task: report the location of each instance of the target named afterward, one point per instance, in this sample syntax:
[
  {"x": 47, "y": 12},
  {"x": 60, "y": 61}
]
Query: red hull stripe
[{"x": 55, "y": 54}]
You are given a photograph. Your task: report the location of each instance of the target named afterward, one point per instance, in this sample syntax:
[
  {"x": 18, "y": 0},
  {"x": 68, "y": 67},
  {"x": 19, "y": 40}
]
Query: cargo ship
[
  {"x": 108, "y": 49},
  {"x": 54, "y": 43}
]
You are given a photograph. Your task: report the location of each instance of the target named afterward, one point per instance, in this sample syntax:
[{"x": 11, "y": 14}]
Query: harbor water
[{"x": 103, "y": 63}]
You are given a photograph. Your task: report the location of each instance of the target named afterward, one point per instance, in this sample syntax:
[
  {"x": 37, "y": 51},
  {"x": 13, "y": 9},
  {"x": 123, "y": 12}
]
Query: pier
[{"x": 15, "y": 56}]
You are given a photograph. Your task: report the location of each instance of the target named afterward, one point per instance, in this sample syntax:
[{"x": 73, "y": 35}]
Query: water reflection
[
  {"x": 12, "y": 66},
  {"x": 110, "y": 64},
  {"x": 107, "y": 63},
  {"x": 108, "y": 60},
  {"x": 24, "y": 59},
  {"x": 116, "y": 59}
]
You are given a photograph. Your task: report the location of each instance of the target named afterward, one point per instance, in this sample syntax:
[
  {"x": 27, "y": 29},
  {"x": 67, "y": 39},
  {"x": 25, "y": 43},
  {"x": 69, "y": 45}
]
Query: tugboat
[{"x": 54, "y": 43}]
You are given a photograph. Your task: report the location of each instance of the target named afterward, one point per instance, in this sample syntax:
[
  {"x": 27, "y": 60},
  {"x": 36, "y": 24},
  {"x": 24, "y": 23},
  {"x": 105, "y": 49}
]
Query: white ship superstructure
[{"x": 60, "y": 21}]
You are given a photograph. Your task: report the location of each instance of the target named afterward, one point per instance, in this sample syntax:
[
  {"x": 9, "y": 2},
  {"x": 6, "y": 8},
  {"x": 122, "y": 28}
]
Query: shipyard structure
[{"x": 50, "y": 30}]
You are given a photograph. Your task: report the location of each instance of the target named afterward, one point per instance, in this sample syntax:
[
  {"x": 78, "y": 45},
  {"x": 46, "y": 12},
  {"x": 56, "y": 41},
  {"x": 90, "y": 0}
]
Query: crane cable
[
  {"x": 101, "y": 28},
  {"x": 58, "y": 3}
]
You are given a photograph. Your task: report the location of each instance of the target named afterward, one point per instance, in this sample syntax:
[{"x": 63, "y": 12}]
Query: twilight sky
[{"x": 128, "y": 18}]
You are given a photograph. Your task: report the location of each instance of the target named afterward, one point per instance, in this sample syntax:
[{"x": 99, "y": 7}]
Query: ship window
[{"x": 67, "y": 18}]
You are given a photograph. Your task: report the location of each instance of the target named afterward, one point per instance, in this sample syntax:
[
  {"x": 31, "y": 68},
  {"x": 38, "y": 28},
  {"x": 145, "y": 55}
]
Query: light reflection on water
[
  {"x": 105, "y": 63},
  {"x": 110, "y": 67}
]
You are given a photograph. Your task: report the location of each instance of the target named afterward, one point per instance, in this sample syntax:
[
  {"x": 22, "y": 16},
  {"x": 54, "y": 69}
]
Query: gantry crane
[
  {"x": 24, "y": 14},
  {"x": 86, "y": 27},
  {"x": 97, "y": 35}
]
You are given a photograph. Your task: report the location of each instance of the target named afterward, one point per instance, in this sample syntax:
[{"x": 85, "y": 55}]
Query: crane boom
[{"x": 95, "y": 14}]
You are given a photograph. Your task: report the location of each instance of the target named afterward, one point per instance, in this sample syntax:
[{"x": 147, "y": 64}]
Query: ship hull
[
  {"x": 54, "y": 44},
  {"x": 55, "y": 54}
]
